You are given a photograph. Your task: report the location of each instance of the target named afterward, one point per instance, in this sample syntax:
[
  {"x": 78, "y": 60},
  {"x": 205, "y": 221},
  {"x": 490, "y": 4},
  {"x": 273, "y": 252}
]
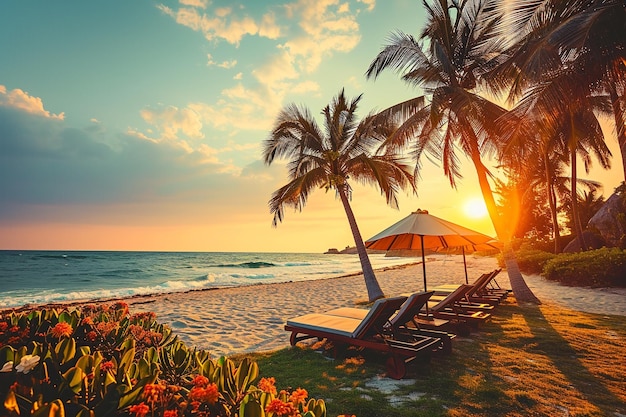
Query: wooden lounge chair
[
  {"x": 405, "y": 321},
  {"x": 479, "y": 294},
  {"x": 449, "y": 309},
  {"x": 368, "y": 333}
]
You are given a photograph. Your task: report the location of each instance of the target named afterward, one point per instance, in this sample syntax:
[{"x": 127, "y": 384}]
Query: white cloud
[
  {"x": 239, "y": 109},
  {"x": 311, "y": 30},
  {"x": 195, "y": 3},
  {"x": 224, "y": 64},
  {"x": 268, "y": 27},
  {"x": 228, "y": 64},
  {"x": 20, "y": 99},
  {"x": 170, "y": 120},
  {"x": 221, "y": 23},
  {"x": 369, "y": 3},
  {"x": 307, "y": 86}
]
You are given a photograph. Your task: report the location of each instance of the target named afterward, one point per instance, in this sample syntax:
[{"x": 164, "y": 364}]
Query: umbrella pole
[
  {"x": 423, "y": 261},
  {"x": 424, "y": 272},
  {"x": 465, "y": 265}
]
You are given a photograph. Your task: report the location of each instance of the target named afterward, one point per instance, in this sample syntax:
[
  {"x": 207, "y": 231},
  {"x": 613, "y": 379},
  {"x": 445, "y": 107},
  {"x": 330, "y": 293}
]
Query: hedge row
[{"x": 604, "y": 267}]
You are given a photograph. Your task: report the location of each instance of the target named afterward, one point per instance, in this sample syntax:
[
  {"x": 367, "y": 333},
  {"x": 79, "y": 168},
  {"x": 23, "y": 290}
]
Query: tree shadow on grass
[
  {"x": 583, "y": 348},
  {"x": 531, "y": 360}
]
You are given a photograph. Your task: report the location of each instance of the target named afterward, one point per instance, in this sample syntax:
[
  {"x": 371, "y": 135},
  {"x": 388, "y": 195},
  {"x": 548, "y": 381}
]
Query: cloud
[
  {"x": 310, "y": 31},
  {"x": 195, "y": 3},
  {"x": 22, "y": 100},
  {"x": 228, "y": 64},
  {"x": 369, "y": 3},
  {"x": 222, "y": 24},
  {"x": 239, "y": 109},
  {"x": 170, "y": 120},
  {"x": 224, "y": 64},
  {"x": 46, "y": 165}
]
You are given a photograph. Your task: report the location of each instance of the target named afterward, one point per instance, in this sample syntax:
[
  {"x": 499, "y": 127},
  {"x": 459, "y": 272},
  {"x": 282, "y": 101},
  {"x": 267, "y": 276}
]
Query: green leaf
[
  {"x": 65, "y": 350},
  {"x": 74, "y": 379},
  {"x": 53, "y": 409},
  {"x": 125, "y": 362},
  {"x": 7, "y": 353},
  {"x": 250, "y": 408},
  {"x": 131, "y": 396}
]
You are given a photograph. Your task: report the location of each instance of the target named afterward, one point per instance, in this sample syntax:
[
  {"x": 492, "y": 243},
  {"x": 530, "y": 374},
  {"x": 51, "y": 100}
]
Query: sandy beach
[{"x": 236, "y": 320}]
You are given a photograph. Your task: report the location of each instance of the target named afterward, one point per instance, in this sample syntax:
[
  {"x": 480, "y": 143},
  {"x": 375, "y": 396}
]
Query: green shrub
[
  {"x": 595, "y": 268},
  {"x": 101, "y": 361},
  {"x": 529, "y": 261}
]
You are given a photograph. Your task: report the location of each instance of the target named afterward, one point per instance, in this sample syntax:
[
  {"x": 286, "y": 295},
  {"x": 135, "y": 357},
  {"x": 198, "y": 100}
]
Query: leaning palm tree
[
  {"x": 454, "y": 51},
  {"x": 585, "y": 37},
  {"x": 326, "y": 157}
]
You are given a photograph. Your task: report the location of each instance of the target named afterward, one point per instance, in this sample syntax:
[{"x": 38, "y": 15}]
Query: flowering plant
[{"x": 102, "y": 361}]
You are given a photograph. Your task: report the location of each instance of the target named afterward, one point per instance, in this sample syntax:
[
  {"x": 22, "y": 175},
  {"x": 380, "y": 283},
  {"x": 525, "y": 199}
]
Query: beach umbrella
[
  {"x": 420, "y": 231},
  {"x": 492, "y": 245}
]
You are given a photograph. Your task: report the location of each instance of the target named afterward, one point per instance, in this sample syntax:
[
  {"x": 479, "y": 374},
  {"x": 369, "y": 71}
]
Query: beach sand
[{"x": 227, "y": 321}]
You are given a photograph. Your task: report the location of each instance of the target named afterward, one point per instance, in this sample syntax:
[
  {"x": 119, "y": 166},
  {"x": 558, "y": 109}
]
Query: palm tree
[
  {"x": 448, "y": 62},
  {"x": 328, "y": 157},
  {"x": 583, "y": 39},
  {"x": 536, "y": 132},
  {"x": 589, "y": 202}
]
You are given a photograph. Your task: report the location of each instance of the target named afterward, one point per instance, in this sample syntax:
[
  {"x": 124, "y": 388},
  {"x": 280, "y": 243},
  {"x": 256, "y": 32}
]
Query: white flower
[
  {"x": 8, "y": 367},
  {"x": 27, "y": 363}
]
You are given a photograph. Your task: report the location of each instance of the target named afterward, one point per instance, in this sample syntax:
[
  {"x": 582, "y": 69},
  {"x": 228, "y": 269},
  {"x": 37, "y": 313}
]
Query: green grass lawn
[{"x": 528, "y": 361}]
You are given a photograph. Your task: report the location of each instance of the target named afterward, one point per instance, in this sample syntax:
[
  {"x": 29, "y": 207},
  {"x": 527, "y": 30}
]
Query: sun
[{"x": 475, "y": 208}]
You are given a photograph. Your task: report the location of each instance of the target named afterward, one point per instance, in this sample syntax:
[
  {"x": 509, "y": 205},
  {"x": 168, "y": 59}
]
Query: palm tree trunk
[
  {"x": 620, "y": 124},
  {"x": 371, "y": 283},
  {"x": 520, "y": 289},
  {"x": 552, "y": 203},
  {"x": 574, "y": 196}
]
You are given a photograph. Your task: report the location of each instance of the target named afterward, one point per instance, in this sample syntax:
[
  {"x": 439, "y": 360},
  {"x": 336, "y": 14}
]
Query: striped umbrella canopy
[{"x": 421, "y": 230}]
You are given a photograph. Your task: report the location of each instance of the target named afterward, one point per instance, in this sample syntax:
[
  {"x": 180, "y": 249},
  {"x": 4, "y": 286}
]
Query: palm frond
[{"x": 295, "y": 193}]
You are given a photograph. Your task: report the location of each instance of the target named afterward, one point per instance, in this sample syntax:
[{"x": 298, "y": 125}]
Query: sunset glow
[
  {"x": 150, "y": 138},
  {"x": 475, "y": 208}
]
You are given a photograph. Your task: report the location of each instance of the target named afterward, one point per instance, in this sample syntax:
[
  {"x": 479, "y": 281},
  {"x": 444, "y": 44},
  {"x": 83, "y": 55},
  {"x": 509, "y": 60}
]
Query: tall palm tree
[
  {"x": 454, "y": 51},
  {"x": 583, "y": 37},
  {"x": 343, "y": 148},
  {"x": 536, "y": 133}
]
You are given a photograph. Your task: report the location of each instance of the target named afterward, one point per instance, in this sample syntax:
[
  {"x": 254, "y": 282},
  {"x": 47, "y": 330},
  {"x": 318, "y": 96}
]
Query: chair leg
[{"x": 396, "y": 367}]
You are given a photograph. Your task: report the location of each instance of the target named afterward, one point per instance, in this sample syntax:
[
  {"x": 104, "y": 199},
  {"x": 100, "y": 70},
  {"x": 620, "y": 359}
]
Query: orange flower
[
  {"x": 298, "y": 396},
  {"x": 200, "y": 381},
  {"x": 152, "y": 392},
  {"x": 106, "y": 327},
  {"x": 267, "y": 385},
  {"x": 62, "y": 330},
  {"x": 106, "y": 366},
  {"x": 170, "y": 413},
  {"x": 140, "y": 410},
  {"x": 120, "y": 305},
  {"x": 276, "y": 406},
  {"x": 209, "y": 395}
]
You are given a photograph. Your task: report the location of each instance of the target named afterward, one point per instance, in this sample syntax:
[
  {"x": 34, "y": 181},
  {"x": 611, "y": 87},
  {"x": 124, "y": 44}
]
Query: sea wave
[
  {"x": 259, "y": 264},
  {"x": 19, "y": 298},
  {"x": 42, "y": 277}
]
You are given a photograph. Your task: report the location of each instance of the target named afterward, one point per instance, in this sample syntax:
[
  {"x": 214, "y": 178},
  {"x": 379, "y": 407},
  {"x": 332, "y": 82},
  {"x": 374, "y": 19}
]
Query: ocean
[{"x": 40, "y": 277}]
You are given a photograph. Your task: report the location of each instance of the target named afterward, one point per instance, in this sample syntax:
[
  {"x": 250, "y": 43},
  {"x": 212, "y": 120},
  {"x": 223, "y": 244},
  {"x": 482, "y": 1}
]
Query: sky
[{"x": 138, "y": 125}]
